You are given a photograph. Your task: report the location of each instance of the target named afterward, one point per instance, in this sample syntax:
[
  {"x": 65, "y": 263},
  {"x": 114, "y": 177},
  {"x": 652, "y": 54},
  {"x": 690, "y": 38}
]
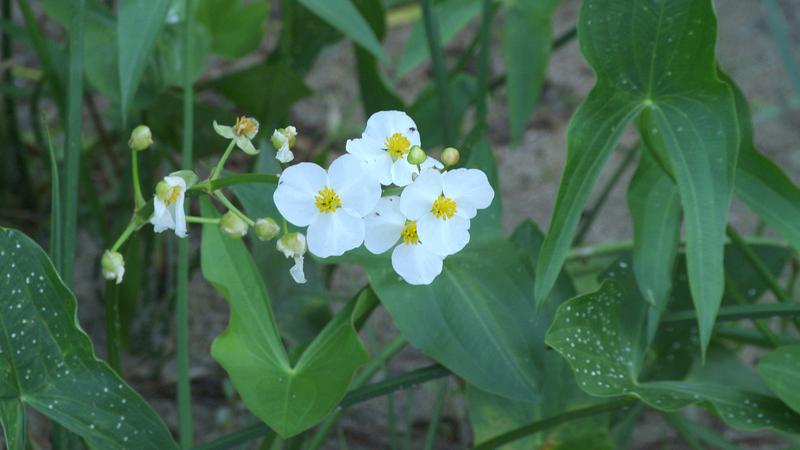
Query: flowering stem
[
  {"x": 218, "y": 169},
  {"x": 195, "y": 219},
  {"x": 125, "y": 234},
  {"x": 243, "y": 178},
  {"x": 138, "y": 199},
  {"x": 285, "y": 226},
  {"x": 439, "y": 69},
  {"x": 221, "y": 197}
]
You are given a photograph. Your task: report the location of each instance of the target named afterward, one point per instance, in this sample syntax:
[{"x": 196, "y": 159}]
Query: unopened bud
[
  {"x": 141, "y": 138},
  {"x": 163, "y": 191},
  {"x": 233, "y": 225},
  {"x": 450, "y": 156},
  {"x": 284, "y": 136},
  {"x": 267, "y": 228},
  {"x": 416, "y": 155},
  {"x": 113, "y": 265},
  {"x": 292, "y": 245}
]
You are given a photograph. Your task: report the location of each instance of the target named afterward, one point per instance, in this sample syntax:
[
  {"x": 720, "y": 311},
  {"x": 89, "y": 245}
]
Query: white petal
[
  {"x": 365, "y": 148},
  {"x": 443, "y": 237},
  {"x": 284, "y": 155},
  {"x": 223, "y": 130},
  {"x": 383, "y": 227},
  {"x": 416, "y": 264},
  {"x": 383, "y": 124},
  {"x": 162, "y": 219},
  {"x": 332, "y": 234},
  {"x": 180, "y": 216},
  {"x": 244, "y": 143},
  {"x": 431, "y": 163},
  {"x": 469, "y": 188},
  {"x": 294, "y": 196},
  {"x": 297, "y": 271},
  {"x": 402, "y": 172},
  {"x": 418, "y": 197},
  {"x": 174, "y": 180},
  {"x": 358, "y": 190},
  {"x": 377, "y": 161}
]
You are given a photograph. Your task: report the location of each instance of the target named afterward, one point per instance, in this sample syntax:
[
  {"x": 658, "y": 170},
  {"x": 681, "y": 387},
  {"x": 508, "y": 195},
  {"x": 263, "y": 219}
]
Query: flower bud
[
  {"x": 233, "y": 225},
  {"x": 163, "y": 191},
  {"x": 292, "y": 245},
  {"x": 141, "y": 138},
  {"x": 450, "y": 156},
  {"x": 113, "y": 265},
  {"x": 267, "y": 228},
  {"x": 416, "y": 155}
]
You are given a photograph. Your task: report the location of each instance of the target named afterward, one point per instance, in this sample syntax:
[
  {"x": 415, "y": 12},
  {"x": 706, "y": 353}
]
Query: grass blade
[{"x": 440, "y": 71}]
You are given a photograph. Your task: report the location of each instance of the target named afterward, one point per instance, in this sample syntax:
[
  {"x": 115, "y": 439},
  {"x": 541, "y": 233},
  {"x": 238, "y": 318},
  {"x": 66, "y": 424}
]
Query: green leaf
[
  {"x": 343, "y": 16},
  {"x": 425, "y": 109},
  {"x": 138, "y": 26},
  {"x": 236, "y": 28},
  {"x": 655, "y": 208},
  {"x": 780, "y": 369},
  {"x": 47, "y": 362},
  {"x": 452, "y": 15},
  {"x": 527, "y": 40},
  {"x": 658, "y": 58},
  {"x": 486, "y": 225},
  {"x": 475, "y": 318},
  {"x": 289, "y": 398},
  {"x": 376, "y": 91},
  {"x": 601, "y": 336}
]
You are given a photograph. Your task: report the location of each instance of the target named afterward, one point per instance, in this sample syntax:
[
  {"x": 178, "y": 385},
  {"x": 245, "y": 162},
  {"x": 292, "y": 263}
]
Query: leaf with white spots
[
  {"x": 47, "y": 362},
  {"x": 780, "y": 369},
  {"x": 601, "y": 336}
]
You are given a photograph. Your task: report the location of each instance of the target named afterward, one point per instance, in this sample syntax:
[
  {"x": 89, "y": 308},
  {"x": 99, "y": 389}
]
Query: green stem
[
  {"x": 483, "y": 63},
  {"x": 55, "y": 202},
  {"x": 185, "y": 426},
  {"x": 439, "y": 70},
  {"x": 231, "y": 207},
  {"x": 740, "y": 298},
  {"x": 221, "y": 163},
  {"x": 749, "y": 336},
  {"x": 245, "y": 178},
  {"x": 624, "y": 246},
  {"x": 138, "y": 199},
  {"x": 739, "y": 312},
  {"x": 195, "y": 219},
  {"x": 527, "y": 430},
  {"x": 433, "y": 426},
  {"x": 73, "y": 140},
  {"x": 126, "y": 233},
  {"x": 113, "y": 327}
]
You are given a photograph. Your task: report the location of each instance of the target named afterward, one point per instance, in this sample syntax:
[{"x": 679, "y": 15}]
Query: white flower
[
  {"x": 113, "y": 266},
  {"x": 283, "y": 140},
  {"x": 442, "y": 205},
  {"x": 383, "y": 146},
  {"x": 168, "y": 213},
  {"x": 411, "y": 258},
  {"x": 332, "y": 204},
  {"x": 243, "y": 131},
  {"x": 293, "y": 245}
]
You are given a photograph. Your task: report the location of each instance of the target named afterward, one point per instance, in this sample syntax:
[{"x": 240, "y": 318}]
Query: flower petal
[
  {"x": 180, "y": 216},
  {"x": 223, "y": 130},
  {"x": 418, "y": 197},
  {"x": 377, "y": 161},
  {"x": 402, "y": 172},
  {"x": 358, "y": 190},
  {"x": 365, "y": 147},
  {"x": 162, "y": 219},
  {"x": 332, "y": 234},
  {"x": 431, "y": 163},
  {"x": 383, "y": 124},
  {"x": 284, "y": 155},
  {"x": 244, "y": 143},
  {"x": 297, "y": 270},
  {"x": 383, "y": 227},
  {"x": 469, "y": 188},
  {"x": 294, "y": 196},
  {"x": 443, "y": 237},
  {"x": 416, "y": 264}
]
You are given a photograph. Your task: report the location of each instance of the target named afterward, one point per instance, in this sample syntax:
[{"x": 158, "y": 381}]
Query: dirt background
[{"x": 529, "y": 178}]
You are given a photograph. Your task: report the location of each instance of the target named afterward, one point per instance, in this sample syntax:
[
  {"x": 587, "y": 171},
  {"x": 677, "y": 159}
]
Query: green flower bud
[
  {"x": 267, "y": 228},
  {"x": 416, "y": 155},
  {"x": 141, "y": 138},
  {"x": 233, "y": 225},
  {"x": 450, "y": 156},
  {"x": 292, "y": 245},
  {"x": 113, "y": 265},
  {"x": 164, "y": 191}
]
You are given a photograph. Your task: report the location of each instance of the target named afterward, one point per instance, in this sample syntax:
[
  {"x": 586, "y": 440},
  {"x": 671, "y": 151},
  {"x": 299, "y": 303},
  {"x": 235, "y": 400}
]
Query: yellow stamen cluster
[
  {"x": 327, "y": 200},
  {"x": 409, "y": 233},
  {"x": 444, "y": 208},
  {"x": 397, "y": 145},
  {"x": 245, "y": 126}
]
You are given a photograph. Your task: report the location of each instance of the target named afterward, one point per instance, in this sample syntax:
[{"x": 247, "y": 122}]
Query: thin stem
[
  {"x": 221, "y": 163},
  {"x": 762, "y": 328},
  {"x": 55, "y": 202},
  {"x": 138, "y": 199},
  {"x": 624, "y": 246},
  {"x": 433, "y": 426},
  {"x": 590, "y": 215},
  {"x": 749, "y": 336},
  {"x": 483, "y": 63},
  {"x": 196, "y": 219},
  {"x": 113, "y": 327},
  {"x": 244, "y": 178},
  {"x": 126, "y": 233},
  {"x": 224, "y": 200},
  {"x": 738, "y": 312},
  {"x": 439, "y": 70},
  {"x": 551, "y": 422},
  {"x": 678, "y": 423},
  {"x": 185, "y": 426}
]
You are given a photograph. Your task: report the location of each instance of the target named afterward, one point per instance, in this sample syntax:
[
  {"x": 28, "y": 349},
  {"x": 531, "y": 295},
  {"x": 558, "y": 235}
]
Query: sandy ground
[{"x": 529, "y": 178}]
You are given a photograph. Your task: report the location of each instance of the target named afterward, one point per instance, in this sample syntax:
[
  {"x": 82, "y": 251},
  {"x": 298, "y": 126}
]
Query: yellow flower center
[
  {"x": 327, "y": 200},
  {"x": 172, "y": 195},
  {"x": 245, "y": 126},
  {"x": 397, "y": 145},
  {"x": 409, "y": 233},
  {"x": 444, "y": 208}
]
